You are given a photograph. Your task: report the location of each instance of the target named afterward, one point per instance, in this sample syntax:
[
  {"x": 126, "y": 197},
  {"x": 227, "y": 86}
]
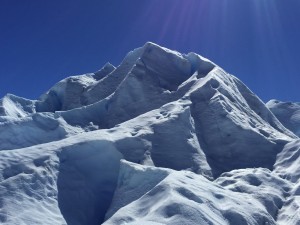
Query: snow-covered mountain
[{"x": 163, "y": 138}]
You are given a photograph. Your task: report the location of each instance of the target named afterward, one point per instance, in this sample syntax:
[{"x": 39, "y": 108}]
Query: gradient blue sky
[{"x": 44, "y": 41}]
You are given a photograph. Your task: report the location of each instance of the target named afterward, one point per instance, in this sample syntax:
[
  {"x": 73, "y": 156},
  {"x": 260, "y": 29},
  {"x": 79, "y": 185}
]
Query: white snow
[
  {"x": 290, "y": 212},
  {"x": 196, "y": 147},
  {"x": 288, "y": 161},
  {"x": 15, "y": 107},
  {"x": 160, "y": 196},
  {"x": 288, "y": 114},
  {"x": 32, "y": 130}
]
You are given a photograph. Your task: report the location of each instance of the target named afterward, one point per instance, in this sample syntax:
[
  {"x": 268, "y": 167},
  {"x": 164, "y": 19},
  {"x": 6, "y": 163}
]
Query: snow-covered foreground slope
[
  {"x": 198, "y": 147},
  {"x": 287, "y": 167},
  {"x": 70, "y": 181},
  {"x": 182, "y": 197}
]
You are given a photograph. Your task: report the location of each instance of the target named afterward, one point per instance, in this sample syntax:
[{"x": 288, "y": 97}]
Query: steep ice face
[
  {"x": 169, "y": 69},
  {"x": 86, "y": 181},
  {"x": 288, "y": 114},
  {"x": 199, "y": 64},
  {"x": 65, "y": 95},
  {"x": 67, "y": 182},
  {"x": 166, "y": 138},
  {"x": 104, "y": 71},
  {"x": 109, "y": 83},
  {"x": 233, "y": 126},
  {"x": 173, "y": 70},
  {"x": 145, "y": 87},
  {"x": 132, "y": 184}
]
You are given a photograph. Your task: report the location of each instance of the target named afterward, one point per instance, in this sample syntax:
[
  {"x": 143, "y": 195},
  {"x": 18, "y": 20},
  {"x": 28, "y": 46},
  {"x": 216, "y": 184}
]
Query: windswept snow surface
[
  {"x": 287, "y": 167},
  {"x": 163, "y": 138}
]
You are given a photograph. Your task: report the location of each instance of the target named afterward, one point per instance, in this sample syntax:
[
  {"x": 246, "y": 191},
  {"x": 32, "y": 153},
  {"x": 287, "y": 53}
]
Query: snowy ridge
[
  {"x": 15, "y": 107},
  {"x": 163, "y": 138}
]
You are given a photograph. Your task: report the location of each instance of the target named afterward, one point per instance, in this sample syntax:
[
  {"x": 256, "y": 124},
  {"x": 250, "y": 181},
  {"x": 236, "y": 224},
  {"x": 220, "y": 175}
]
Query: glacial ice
[{"x": 163, "y": 138}]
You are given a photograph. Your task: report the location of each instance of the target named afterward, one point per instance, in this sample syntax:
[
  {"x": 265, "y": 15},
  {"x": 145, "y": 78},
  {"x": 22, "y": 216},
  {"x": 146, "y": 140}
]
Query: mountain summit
[{"x": 163, "y": 138}]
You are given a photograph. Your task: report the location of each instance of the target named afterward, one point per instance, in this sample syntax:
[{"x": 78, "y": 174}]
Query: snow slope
[
  {"x": 288, "y": 113},
  {"x": 197, "y": 147},
  {"x": 68, "y": 182},
  {"x": 182, "y": 197},
  {"x": 287, "y": 167}
]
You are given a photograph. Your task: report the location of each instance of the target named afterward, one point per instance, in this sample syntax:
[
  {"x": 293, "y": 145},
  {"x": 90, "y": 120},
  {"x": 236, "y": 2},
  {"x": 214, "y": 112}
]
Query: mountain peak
[{"x": 163, "y": 138}]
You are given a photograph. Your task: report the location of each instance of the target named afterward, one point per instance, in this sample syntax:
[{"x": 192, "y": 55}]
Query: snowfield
[{"x": 163, "y": 138}]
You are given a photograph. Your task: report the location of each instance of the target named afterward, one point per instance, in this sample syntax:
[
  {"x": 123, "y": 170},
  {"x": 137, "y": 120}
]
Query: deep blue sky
[{"x": 44, "y": 41}]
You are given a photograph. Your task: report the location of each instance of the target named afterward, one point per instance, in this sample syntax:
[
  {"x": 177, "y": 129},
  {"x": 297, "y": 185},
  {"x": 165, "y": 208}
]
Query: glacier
[{"x": 163, "y": 138}]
